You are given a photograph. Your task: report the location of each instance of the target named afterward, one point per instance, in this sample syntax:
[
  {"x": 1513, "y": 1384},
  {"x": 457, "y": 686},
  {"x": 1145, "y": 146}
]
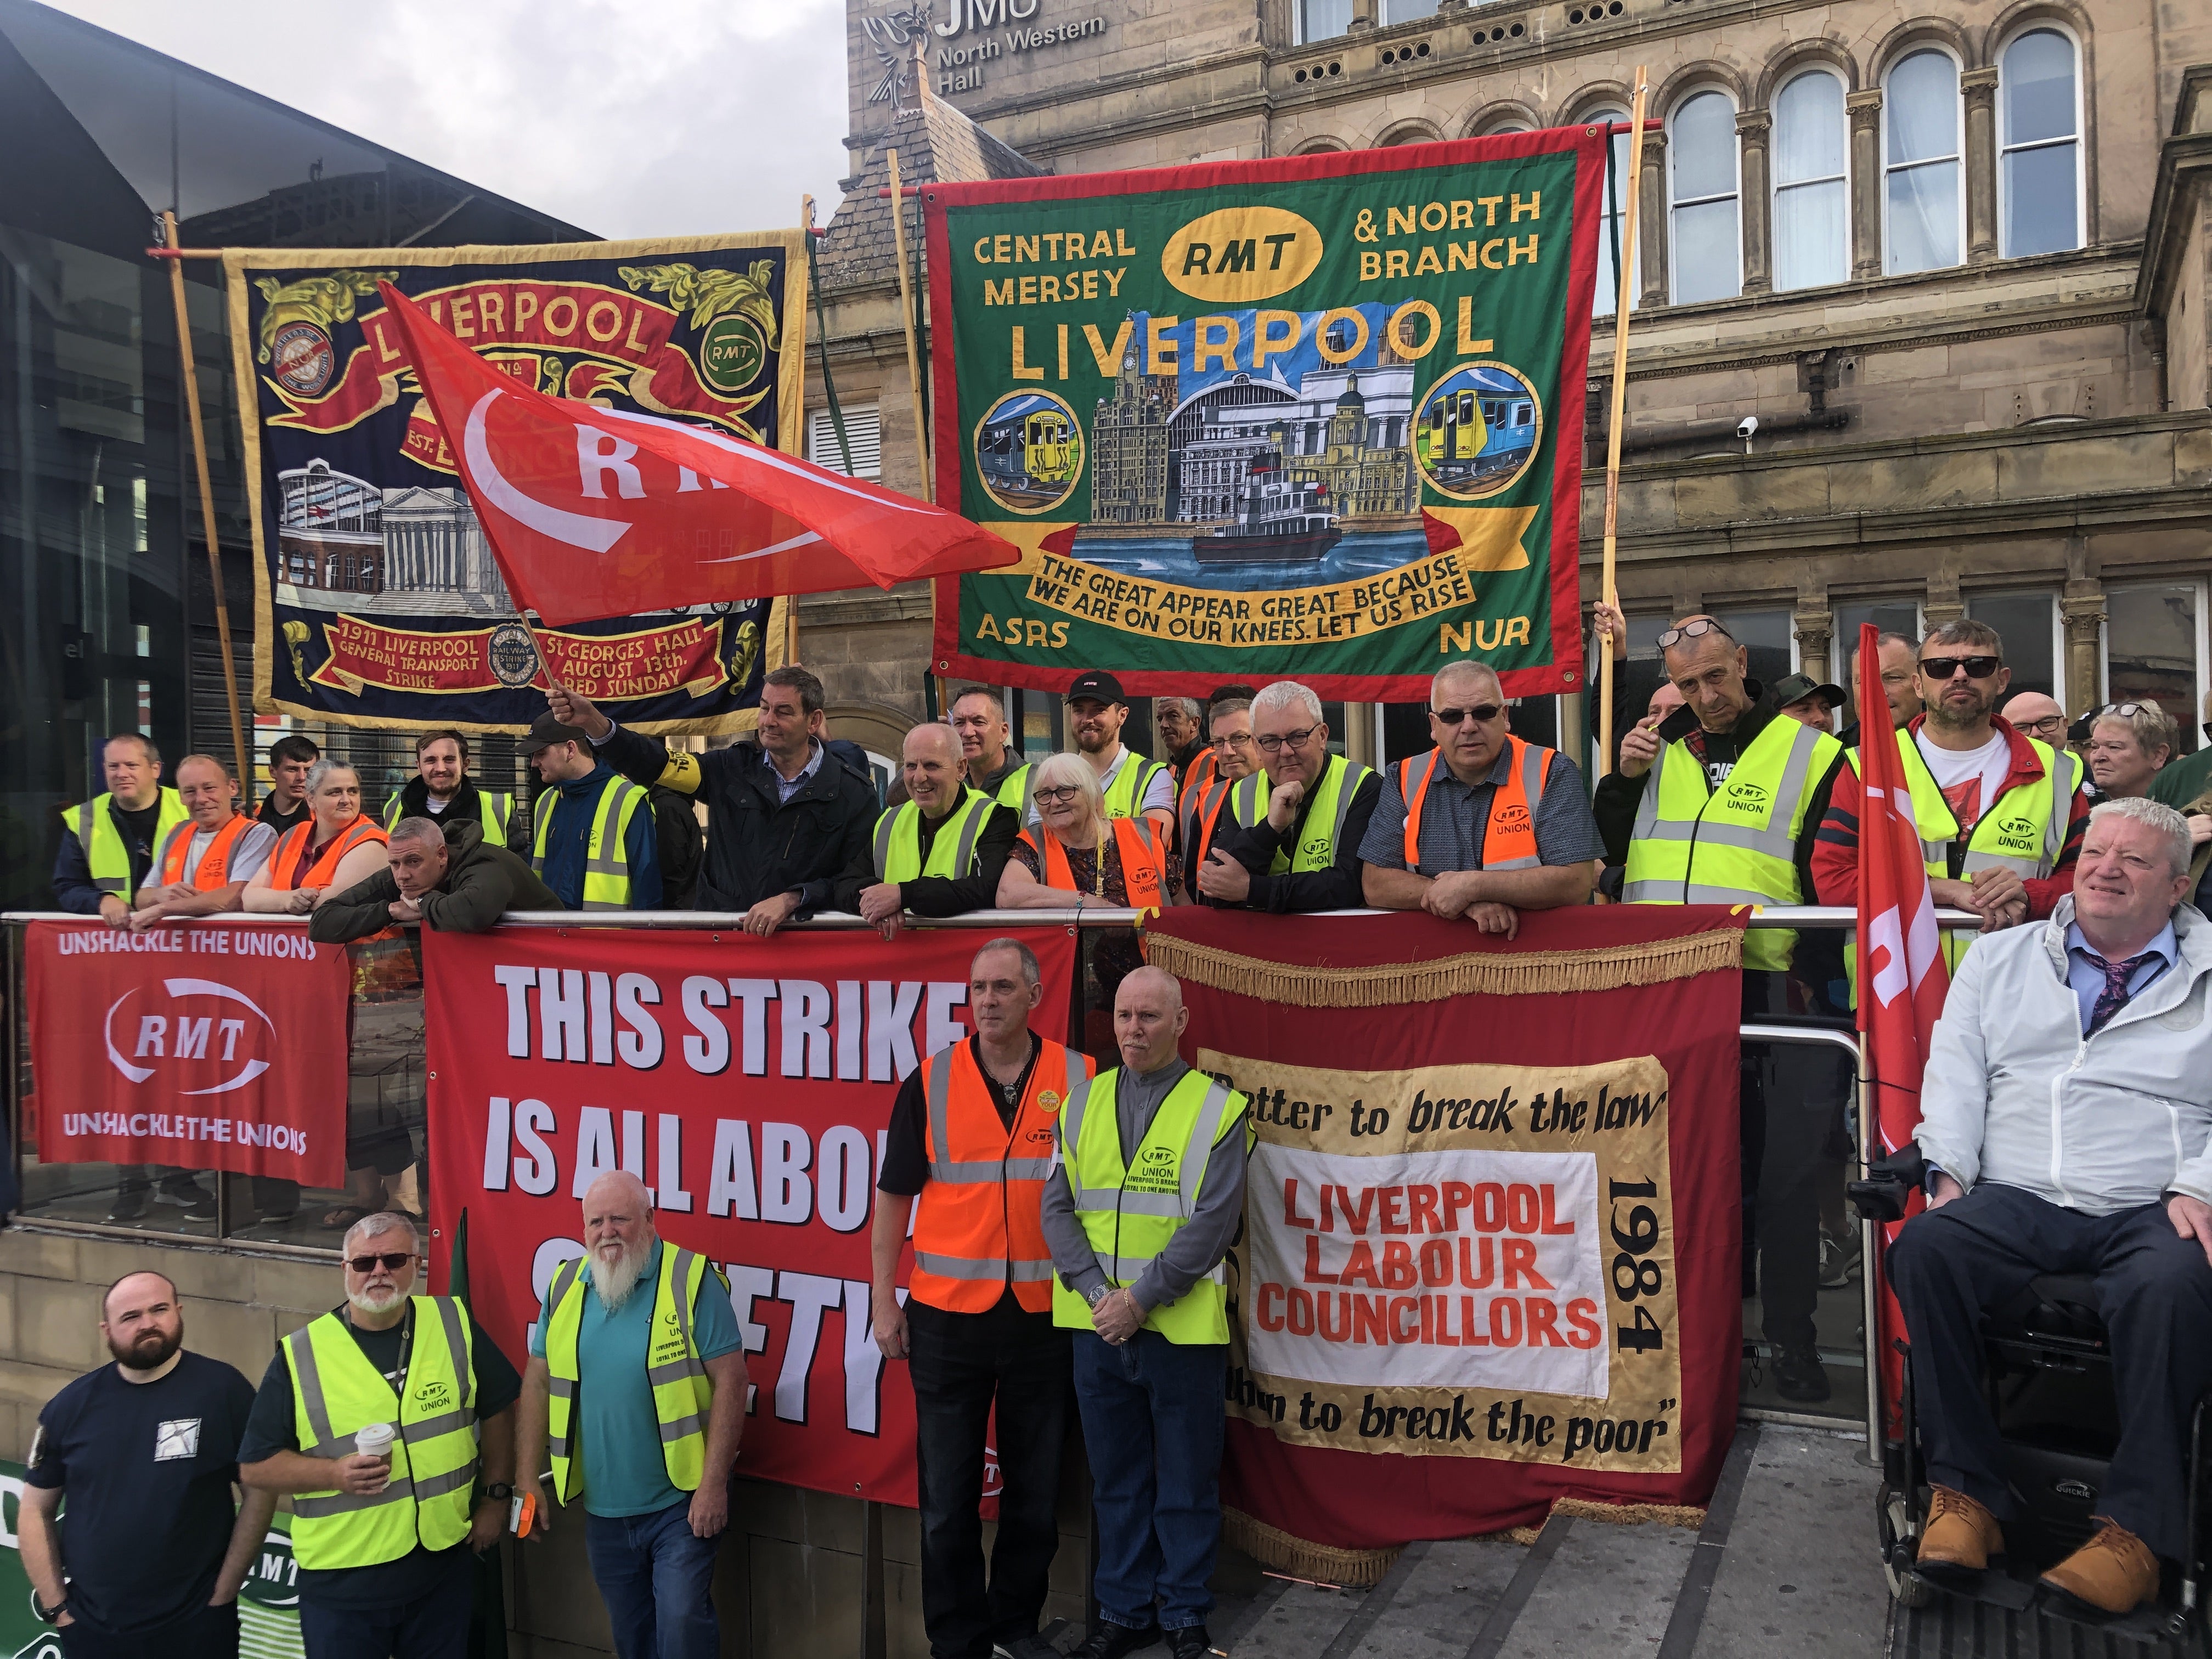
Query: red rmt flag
[
  {"x": 595, "y": 512},
  {"x": 1902, "y": 975}
]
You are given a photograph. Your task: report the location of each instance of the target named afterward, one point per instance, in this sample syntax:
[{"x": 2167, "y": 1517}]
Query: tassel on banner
[
  {"x": 1384, "y": 985},
  {"x": 1295, "y": 1557}
]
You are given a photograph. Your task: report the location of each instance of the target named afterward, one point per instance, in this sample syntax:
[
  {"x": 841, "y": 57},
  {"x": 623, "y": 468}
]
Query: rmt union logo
[
  {"x": 1514, "y": 819},
  {"x": 1743, "y": 796}
]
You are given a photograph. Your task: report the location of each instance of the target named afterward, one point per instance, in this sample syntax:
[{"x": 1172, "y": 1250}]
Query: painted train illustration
[
  {"x": 1040, "y": 454},
  {"x": 1468, "y": 436}
]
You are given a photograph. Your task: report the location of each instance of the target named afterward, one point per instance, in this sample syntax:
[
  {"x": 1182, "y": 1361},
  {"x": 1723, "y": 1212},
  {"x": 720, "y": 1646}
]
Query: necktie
[{"x": 2114, "y": 996}]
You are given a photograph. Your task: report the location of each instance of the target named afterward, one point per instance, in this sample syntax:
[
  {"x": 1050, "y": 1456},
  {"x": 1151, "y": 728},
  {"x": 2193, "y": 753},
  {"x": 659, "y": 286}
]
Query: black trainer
[
  {"x": 129, "y": 1205},
  {"x": 1798, "y": 1374},
  {"x": 1109, "y": 1640}
]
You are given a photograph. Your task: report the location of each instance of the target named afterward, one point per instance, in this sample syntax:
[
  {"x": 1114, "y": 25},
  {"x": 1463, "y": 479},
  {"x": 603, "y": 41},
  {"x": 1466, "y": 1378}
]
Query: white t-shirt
[{"x": 1971, "y": 779}]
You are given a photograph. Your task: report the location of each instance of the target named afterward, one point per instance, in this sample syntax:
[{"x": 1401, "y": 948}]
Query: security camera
[{"x": 1746, "y": 426}]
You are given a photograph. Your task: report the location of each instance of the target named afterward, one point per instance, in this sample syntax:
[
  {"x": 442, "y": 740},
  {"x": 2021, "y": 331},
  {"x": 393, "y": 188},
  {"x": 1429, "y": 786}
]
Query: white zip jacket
[{"x": 2014, "y": 1094}]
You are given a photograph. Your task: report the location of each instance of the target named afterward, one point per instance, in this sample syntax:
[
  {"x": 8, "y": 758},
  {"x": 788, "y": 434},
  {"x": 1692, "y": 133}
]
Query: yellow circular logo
[
  {"x": 1048, "y": 1098},
  {"x": 1234, "y": 255}
]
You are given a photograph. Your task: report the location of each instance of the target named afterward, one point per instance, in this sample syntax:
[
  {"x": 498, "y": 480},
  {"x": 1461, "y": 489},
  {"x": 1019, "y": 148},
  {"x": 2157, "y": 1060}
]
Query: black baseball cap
[
  {"x": 1796, "y": 688},
  {"x": 547, "y": 730},
  {"x": 1094, "y": 682}
]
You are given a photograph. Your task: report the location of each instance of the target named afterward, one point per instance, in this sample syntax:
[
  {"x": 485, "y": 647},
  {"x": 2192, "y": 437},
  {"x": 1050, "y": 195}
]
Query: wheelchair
[{"x": 2047, "y": 1371}]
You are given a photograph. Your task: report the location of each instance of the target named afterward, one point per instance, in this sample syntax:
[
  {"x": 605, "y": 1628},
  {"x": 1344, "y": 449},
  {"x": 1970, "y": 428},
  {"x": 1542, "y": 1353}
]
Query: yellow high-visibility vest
[
  {"x": 105, "y": 853},
  {"x": 606, "y": 854}
]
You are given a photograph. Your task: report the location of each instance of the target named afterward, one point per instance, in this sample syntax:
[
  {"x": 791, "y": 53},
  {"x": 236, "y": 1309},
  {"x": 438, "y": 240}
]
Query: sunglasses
[
  {"x": 1945, "y": 668},
  {"x": 1483, "y": 713},
  {"x": 2122, "y": 711},
  {"x": 1057, "y": 794},
  {"x": 393, "y": 1263},
  {"x": 1692, "y": 630}
]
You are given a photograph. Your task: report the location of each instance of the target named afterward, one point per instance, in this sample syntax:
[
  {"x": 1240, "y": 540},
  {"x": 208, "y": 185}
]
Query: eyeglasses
[
  {"x": 2124, "y": 711},
  {"x": 393, "y": 1263},
  {"x": 1233, "y": 740},
  {"x": 1483, "y": 713},
  {"x": 1057, "y": 794},
  {"x": 1946, "y": 668},
  {"x": 1292, "y": 740},
  {"x": 1692, "y": 630},
  {"x": 2050, "y": 725}
]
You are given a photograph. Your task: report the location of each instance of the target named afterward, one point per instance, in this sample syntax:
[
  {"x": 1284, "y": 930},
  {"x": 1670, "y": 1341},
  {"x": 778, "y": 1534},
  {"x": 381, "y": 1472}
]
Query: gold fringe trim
[
  {"x": 1279, "y": 1551},
  {"x": 1524, "y": 1536},
  {"x": 1631, "y": 1515},
  {"x": 1534, "y": 973}
]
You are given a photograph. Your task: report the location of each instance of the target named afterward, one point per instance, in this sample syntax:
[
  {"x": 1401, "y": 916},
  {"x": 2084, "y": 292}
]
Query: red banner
[
  {"x": 749, "y": 1083},
  {"x": 1492, "y": 1214},
  {"x": 209, "y": 1045}
]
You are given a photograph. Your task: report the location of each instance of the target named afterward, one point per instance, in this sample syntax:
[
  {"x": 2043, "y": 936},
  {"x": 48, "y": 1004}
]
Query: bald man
[
  {"x": 147, "y": 1451},
  {"x": 939, "y": 852},
  {"x": 1143, "y": 1292},
  {"x": 2037, "y": 716},
  {"x": 650, "y": 1463}
]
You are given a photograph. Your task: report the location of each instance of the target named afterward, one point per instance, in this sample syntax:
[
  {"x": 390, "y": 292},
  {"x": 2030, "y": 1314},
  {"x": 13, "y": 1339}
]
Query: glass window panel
[
  {"x": 2025, "y": 622},
  {"x": 1405, "y": 11},
  {"x": 1924, "y": 217},
  {"x": 2041, "y": 205},
  {"x": 1701, "y": 148},
  {"x": 1705, "y": 264},
  {"x": 1811, "y": 245},
  {"x": 1770, "y": 637},
  {"x": 1922, "y": 108},
  {"x": 2150, "y": 652},
  {"x": 1808, "y": 129},
  {"x": 2038, "y": 72},
  {"x": 1324, "y": 20},
  {"x": 1606, "y": 294}
]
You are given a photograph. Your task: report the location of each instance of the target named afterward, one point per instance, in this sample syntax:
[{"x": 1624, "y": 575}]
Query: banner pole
[
  {"x": 1625, "y": 271},
  {"x": 241, "y": 756},
  {"x": 806, "y": 242},
  {"x": 906, "y": 317}
]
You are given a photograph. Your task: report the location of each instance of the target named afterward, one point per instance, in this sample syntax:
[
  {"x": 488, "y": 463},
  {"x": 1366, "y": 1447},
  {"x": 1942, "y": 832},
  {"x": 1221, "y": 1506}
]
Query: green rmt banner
[{"x": 1318, "y": 416}]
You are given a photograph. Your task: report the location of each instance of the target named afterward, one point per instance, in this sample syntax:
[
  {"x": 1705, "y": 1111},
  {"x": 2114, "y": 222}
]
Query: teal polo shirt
[{"x": 624, "y": 1473}]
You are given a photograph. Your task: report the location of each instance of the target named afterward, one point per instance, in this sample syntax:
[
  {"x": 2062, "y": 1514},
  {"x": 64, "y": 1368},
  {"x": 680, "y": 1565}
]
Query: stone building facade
[{"x": 1951, "y": 260}]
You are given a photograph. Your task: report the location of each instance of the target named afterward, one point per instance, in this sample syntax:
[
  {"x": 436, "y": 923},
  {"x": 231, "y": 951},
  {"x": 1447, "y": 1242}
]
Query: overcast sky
[{"x": 674, "y": 118}]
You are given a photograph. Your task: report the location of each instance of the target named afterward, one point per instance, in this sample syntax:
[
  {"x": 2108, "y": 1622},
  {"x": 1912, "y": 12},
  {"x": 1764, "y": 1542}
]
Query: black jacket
[
  {"x": 676, "y": 822},
  {"x": 415, "y": 803},
  {"x": 1337, "y": 888},
  {"x": 483, "y": 883},
  {"x": 941, "y": 896},
  {"x": 758, "y": 845}
]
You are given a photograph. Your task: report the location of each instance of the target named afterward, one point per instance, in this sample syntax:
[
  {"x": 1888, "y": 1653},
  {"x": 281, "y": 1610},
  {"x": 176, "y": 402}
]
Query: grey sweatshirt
[{"x": 1197, "y": 1245}]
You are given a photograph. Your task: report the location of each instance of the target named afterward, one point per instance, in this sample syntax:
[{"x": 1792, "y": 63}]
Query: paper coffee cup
[{"x": 374, "y": 1441}]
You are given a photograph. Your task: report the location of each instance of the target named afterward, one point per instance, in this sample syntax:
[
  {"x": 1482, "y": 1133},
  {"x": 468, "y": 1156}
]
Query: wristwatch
[
  {"x": 1099, "y": 1296},
  {"x": 499, "y": 1493},
  {"x": 48, "y": 1615}
]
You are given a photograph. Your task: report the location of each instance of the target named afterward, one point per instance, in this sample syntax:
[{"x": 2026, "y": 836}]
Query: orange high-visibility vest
[
  {"x": 1508, "y": 840},
  {"x": 284, "y": 868},
  {"x": 978, "y": 1227},
  {"x": 1203, "y": 771},
  {"x": 1144, "y": 861},
  {"x": 214, "y": 869}
]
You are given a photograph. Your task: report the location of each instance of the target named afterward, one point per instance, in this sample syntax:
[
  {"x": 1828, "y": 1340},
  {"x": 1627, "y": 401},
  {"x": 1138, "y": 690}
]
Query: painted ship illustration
[{"x": 1278, "y": 518}]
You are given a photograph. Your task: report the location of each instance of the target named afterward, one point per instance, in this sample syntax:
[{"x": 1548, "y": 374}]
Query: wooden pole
[
  {"x": 806, "y": 242},
  {"x": 242, "y": 757},
  {"x": 914, "y": 380},
  {"x": 1607, "y": 587}
]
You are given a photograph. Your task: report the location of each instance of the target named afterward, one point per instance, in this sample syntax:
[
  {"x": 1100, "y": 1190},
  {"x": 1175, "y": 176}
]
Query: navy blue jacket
[{"x": 569, "y": 834}]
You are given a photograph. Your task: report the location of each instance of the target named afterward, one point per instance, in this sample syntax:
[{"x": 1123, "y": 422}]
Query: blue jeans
[
  {"x": 656, "y": 1579},
  {"x": 1153, "y": 1427}
]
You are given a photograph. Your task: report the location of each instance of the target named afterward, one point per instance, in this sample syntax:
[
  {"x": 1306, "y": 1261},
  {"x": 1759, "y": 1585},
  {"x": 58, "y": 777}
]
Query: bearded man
[
  {"x": 637, "y": 1375},
  {"x": 147, "y": 1449},
  {"x": 384, "y": 1575}
]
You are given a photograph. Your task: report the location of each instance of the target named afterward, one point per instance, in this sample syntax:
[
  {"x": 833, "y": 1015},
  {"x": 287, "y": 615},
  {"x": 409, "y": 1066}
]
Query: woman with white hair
[
  {"x": 2129, "y": 743},
  {"x": 336, "y": 847}
]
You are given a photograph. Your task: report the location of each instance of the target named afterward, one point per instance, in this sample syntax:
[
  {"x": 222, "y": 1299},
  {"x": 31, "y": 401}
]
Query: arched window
[
  {"x": 1702, "y": 230},
  {"x": 1812, "y": 225},
  {"x": 1612, "y": 220},
  {"x": 2039, "y": 136},
  {"x": 1923, "y": 205}
]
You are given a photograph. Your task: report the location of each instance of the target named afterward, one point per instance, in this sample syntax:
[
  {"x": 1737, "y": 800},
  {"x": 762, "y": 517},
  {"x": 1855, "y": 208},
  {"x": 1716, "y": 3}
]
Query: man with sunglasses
[
  {"x": 1483, "y": 825},
  {"x": 1719, "y": 804},
  {"x": 1290, "y": 840},
  {"x": 384, "y": 1577},
  {"x": 2000, "y": 812}
]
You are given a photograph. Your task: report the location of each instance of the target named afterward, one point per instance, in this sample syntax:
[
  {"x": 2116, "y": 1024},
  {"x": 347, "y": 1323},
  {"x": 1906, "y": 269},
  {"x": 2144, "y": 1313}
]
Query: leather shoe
[
  {"x": 2113, "y": 1573},
  {"x": 1960, "y": 1541},
  {"x": 1191, "y": 1641},
  {"x": 1799, "y": 1374},
  {"x": 1109, "y": 1640},
  {"x": 1025, "y": 1647}
]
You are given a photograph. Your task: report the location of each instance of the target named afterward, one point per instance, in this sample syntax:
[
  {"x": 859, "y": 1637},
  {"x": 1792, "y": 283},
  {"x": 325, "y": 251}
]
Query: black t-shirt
[
  {"x": 280, "y": 820},
  {"x": 138, "y": 827},
  {"x": 273, "y": 1427},
  {"x": 906, "y": 1147},
  {"x": 147, "y": 1469}
]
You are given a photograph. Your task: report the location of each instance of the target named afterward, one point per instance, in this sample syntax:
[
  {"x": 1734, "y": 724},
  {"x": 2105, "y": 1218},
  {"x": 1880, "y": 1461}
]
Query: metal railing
[{"x": 382, "y": 1086}]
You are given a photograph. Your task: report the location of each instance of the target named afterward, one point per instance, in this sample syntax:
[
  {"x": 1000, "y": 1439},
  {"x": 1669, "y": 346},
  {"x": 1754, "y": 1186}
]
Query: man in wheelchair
[{"x": 2067, "y": 1107}]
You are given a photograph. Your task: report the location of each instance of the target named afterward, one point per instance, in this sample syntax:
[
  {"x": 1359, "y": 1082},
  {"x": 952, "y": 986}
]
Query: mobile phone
[{"x": 522, "y": 1513}]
